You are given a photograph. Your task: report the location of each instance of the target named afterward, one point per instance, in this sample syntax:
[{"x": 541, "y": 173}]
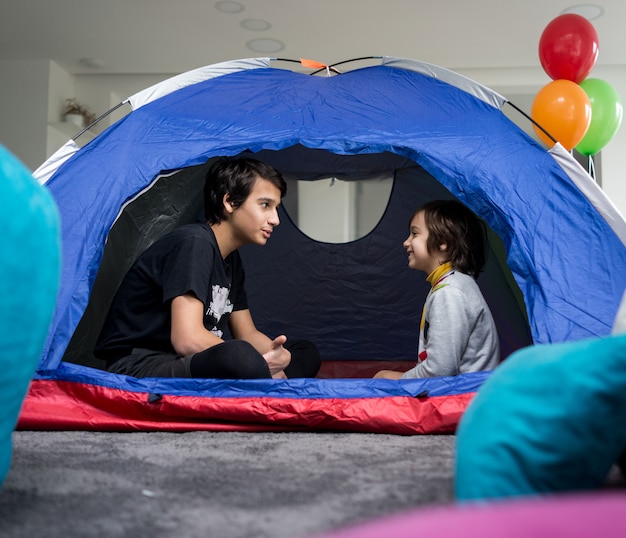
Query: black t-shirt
[{"x": 187, "y": 260}]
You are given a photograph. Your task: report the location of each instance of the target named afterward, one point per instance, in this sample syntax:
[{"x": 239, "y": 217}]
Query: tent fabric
[
  {"x": 100, "y": 401},
  {"x": 48, "y": 168},
  {"x": 598, "y": 198},
  {"x": 377, "y": 291},
  {"x": 557, "y": 237},
  {"x": 193, "y": 77},
  {"x": 294, "y": 278},
  {"x": 450, "y": 77}
]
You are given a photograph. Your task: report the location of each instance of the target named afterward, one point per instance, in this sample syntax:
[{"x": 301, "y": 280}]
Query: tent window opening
[{"x": 333, "y": 210}]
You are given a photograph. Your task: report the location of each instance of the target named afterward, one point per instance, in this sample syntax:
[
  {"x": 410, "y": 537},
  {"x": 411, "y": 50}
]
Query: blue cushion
[
  {"x": 551, "y": 418},
  {"x": 29, "y": 280}
]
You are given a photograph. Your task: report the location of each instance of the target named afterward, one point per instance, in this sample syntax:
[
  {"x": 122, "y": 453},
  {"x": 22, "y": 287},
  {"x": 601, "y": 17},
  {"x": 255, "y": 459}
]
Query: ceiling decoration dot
[
  {"x": 256, "y": 25},
  {"x": 264, "y": 44},
  {"x": 589, "y": 11},
  {"x": 229, "y": 6}
]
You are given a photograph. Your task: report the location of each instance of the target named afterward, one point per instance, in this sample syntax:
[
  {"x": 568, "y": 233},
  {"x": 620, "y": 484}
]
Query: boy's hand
[{"x": 277, "y": 358}]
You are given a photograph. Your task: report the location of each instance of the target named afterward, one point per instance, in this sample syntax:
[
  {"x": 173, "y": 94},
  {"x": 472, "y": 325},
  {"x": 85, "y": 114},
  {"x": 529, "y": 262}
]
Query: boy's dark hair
[
  {"x": 235, "y": 177},
  {"x": 452, "y": 223}
]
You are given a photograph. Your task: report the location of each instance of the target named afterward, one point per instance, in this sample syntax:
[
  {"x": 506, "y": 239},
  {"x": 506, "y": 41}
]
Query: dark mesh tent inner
[{"x": 358, "y": 301}]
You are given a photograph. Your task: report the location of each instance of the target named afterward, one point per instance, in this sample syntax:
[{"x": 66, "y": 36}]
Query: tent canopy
[{"x": 437, "y": 133}]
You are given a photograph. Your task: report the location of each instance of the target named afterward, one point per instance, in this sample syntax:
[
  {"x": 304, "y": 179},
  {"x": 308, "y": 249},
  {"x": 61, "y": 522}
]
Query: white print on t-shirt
[{"x": 219, "y": 306}]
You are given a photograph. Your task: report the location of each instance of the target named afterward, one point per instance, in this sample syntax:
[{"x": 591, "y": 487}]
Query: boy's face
[
  {"x": 255, "y": 219},
  {"x": 416, "y": 246}
]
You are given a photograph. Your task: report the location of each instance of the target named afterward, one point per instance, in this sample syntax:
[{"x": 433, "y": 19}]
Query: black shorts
[
  {"x": 233, "y": 359},
  {"x": 148, "y": 363}
]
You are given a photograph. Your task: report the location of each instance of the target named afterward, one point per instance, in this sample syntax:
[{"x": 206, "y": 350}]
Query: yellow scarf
[{"x": 433, "y": 278}]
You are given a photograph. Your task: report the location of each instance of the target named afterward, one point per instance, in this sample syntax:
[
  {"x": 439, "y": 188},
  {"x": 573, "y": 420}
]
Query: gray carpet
[{"x": 216, "y": 484}]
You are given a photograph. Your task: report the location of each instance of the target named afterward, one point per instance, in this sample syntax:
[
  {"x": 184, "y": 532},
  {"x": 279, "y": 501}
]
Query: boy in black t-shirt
[{"x": 169, "y": 314}]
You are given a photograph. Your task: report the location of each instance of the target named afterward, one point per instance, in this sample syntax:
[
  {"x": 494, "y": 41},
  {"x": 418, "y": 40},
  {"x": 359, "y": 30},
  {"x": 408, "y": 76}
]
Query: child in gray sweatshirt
[{"x": 457, "y": 332}]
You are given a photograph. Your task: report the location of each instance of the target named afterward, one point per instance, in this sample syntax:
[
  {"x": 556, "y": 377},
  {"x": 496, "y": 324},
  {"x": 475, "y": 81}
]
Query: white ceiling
[{"x": 173, "y": 36}]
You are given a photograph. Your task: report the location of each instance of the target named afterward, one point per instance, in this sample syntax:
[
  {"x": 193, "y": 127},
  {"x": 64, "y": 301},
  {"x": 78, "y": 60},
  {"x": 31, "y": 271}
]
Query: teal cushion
[
  {"x": 551, "y": 418},
  {"x": 29, "y": 280}
]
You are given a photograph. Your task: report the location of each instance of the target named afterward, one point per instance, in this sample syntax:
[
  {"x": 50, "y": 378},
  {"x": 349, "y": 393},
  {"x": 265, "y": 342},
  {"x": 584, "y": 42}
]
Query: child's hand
[{"x": 388, "y": 374}]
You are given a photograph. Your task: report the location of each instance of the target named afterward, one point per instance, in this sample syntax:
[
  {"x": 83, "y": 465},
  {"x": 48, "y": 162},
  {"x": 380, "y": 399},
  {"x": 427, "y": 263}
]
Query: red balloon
[{"x": 569, "y": 48}]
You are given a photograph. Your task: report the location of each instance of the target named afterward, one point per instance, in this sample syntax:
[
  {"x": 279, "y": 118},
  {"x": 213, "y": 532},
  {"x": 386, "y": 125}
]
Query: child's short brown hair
[{"x": 451, "y": 223}]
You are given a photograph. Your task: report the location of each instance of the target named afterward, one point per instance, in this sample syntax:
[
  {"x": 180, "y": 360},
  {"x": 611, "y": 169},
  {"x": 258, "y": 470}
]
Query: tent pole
[
  {"x": 98, "y": 119},
  {"x": 533, "y": 122}
]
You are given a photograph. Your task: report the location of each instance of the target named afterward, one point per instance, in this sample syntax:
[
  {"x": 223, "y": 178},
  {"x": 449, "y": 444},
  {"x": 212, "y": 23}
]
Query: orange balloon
[{"x": 563, "y": 109}]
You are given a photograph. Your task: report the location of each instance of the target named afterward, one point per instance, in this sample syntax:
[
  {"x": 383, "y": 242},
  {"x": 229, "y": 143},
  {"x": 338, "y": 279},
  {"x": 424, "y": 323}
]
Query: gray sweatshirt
[{"x": 457, "y": 332}]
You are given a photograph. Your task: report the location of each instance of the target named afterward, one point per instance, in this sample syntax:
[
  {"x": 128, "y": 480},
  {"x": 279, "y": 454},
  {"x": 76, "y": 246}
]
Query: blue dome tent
[{"x": 556, "y": 272}]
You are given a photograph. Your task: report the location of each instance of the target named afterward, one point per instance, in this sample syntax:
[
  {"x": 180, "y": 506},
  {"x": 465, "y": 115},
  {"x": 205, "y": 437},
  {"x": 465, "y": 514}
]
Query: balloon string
[{"x": 592, "y": 169}]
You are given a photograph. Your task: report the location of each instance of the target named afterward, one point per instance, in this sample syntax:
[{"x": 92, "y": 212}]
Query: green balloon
[{"x": 606, "y": 115}]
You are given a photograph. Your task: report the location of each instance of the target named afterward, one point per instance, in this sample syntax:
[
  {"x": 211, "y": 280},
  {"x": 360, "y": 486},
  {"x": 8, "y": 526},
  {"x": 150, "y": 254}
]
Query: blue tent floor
[{"x": 222, "y": 484}]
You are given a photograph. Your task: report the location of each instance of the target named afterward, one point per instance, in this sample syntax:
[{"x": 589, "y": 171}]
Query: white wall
[
  {"x": 32, "y": 96},
  {"x": 24, "y": 108},
  {"x": 327, "y": 210}
]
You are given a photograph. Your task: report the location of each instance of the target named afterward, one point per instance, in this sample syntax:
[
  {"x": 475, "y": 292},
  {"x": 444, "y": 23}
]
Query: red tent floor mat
[
  {"x": 67, "y": 405},
  {"x": 360, "y": 369}
]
